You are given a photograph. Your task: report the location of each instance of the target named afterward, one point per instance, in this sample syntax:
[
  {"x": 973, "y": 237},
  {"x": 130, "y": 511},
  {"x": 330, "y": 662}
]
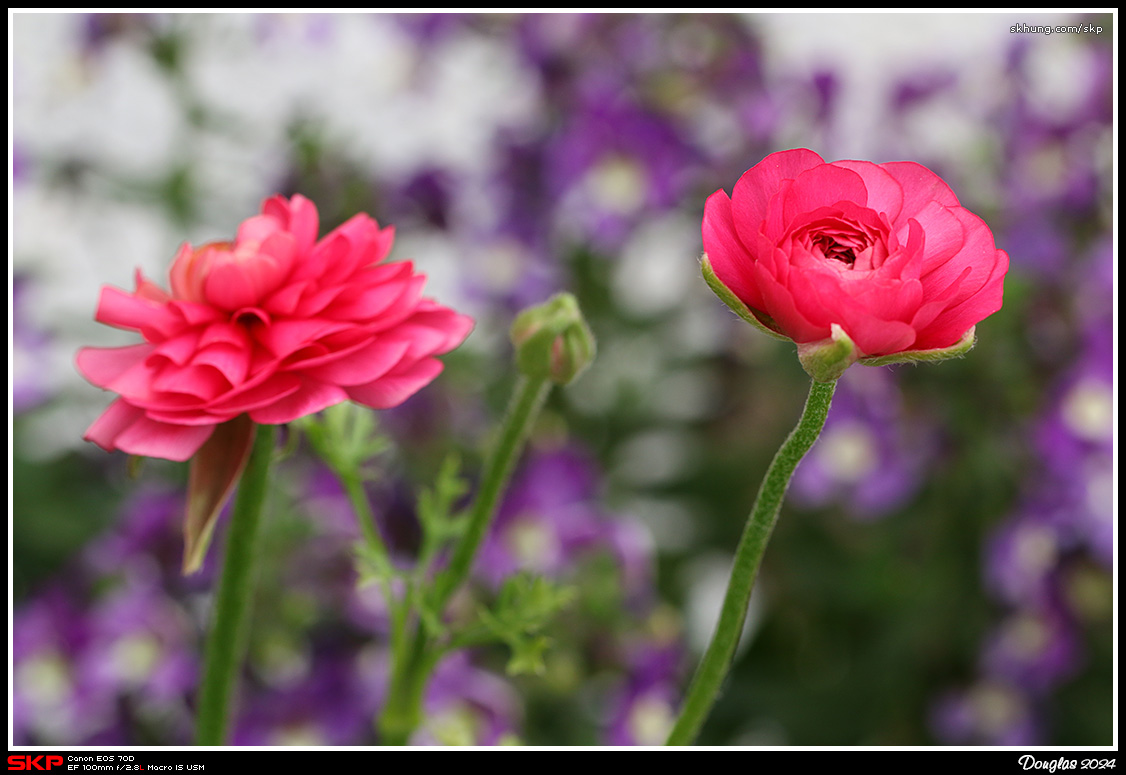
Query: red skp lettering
[{"x": 17, "y": 762}]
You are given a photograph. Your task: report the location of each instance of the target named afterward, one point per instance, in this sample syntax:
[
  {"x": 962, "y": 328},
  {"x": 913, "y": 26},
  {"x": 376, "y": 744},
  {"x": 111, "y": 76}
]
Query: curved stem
[
  {"x": 716, "y": 661},
  {"x": 226, "y": 641}
]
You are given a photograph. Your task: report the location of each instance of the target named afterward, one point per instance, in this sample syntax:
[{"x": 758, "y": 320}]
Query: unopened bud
[{"x": 552, "y": 340}]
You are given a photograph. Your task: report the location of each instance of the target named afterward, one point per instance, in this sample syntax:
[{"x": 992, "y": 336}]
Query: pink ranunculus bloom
[
  {"x": 879, "y": 256},
  {"x": 273, "y": 325}
]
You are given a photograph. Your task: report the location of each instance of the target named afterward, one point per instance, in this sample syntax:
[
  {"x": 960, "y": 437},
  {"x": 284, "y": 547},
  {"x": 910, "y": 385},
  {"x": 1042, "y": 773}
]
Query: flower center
[
  {"x": 836, "y": 238},
  {"x": 835, "y": 250}
]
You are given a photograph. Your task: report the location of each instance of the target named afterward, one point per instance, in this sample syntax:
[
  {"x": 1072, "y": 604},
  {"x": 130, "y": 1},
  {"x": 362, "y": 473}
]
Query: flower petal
[
  {"x": 920, "y": 188},
  {"x": 102, "y": 365},
  {"x": 396, "y": 387},
  {"x": 729, "y": 258},
  {"x": 311, "y": 397},
  {"x": 751, "y": 195},
  {"x": 885, "y": 194},
  {"x": 151, "y": 438}
]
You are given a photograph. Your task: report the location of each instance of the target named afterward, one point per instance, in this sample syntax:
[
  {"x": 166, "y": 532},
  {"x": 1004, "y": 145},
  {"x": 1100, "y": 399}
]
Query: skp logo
[{"x": 41, "y": 762}]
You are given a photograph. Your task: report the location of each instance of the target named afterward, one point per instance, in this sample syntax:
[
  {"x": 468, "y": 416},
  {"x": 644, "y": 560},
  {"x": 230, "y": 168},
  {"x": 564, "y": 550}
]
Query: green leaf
[
  {"x": 436, "y": 504},
  {"x": 371, "y": 565},
  {"x": 527, "y": 603},
  {"x": 524, "y": 606},
  {"x": 527, "y": 656},
  {"x": 346, "y": 437}
]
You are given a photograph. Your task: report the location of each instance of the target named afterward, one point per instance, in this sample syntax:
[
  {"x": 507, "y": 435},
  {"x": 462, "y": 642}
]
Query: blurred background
[{"x": 942, "y": 572}]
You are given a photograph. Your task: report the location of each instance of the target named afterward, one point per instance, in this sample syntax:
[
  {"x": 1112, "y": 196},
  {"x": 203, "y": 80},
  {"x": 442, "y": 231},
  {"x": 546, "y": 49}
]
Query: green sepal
[
  {"x": 827, "y": 359},
  {"x": 956, "y": 350},
  {"x": 733, "y": 302},
  {"x": 214, "y": 471}
]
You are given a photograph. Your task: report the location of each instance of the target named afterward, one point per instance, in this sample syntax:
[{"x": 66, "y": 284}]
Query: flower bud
[{"x": 552, "y": 340}]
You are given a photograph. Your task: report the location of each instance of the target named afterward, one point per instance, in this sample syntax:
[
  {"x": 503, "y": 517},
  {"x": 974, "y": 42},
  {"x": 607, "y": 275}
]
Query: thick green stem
[
  {"x": 226, "y": 641},
  {"x": 402, "y": 710},
  {"x": 716, "y": 661}
]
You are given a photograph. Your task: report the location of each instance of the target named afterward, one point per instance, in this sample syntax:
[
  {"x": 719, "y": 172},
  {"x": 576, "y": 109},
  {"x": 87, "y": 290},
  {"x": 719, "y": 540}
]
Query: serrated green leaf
[
  {"x": 371, "y": 565},
  {"x": 346, "y": 436},
  {"x": 527, "y": 656}
]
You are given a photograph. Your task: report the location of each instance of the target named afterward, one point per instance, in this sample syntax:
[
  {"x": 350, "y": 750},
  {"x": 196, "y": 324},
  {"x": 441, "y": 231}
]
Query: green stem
[
  {"x": 361, "y": 507},
  {"x": 522, "y": 410},
  {"x": 354, "y": 486},
  {"x": 402, "y": 710},
  {"x": 411, "y": 667},
  {"x": 226, "y": 642},
  {"x": 716, "y": 661}
]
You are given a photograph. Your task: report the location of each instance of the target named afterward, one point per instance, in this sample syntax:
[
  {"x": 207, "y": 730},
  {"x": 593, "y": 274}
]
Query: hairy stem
[{"x": 716, "y": 661}]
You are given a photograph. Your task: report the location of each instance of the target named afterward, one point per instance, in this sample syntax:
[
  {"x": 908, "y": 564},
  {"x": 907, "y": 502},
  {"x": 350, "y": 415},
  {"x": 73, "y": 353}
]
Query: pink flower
[
  {"x": 274, "y": 326},
  {"x": 877, "y": 260}
]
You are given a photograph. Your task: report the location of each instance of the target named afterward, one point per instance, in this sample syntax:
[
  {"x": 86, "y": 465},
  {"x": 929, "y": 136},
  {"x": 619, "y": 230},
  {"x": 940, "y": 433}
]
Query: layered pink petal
[
  {"x": 883, "y": 250},
  {"x": 311, "y": 397},
  {"x": 298, "y": 216},
  {"x": 103, "y": 365},
  {"x": 952, "y": 324},
  {"x": 752, "y": 194},
  {"x": 368, "y": 363},
  {"x": 120, "y": 309},
  {"x": 396, "y": 387},
  {"x": 115, "y": 419},
  {"x": 823, "y": 186},
  {"x": 920, "y": 188},
  {"x": 780, "y": 304},
  {"x": 271, "y": 326},
  {"x": 729, "y": 258},
  {"x": 150, "y": 438},
  {"x": 885, "y": 194}
]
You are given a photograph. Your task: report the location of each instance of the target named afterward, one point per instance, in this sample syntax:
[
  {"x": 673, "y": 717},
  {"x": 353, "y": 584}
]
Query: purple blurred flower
[
  {"x": 1075, "y": 443},
  {"x": 332, "y": 702},
  {"x": 76, "y": 667},
  {"x": 550, "y": 519},
  {"x": 29, "y": 354},
  {"x": 1021, "y": 558},
  {"x": 466, "y": 705},
  {"x": 644, "y": 708},
  {"x": 613, "y": 163},
  {"x": 911, "y": 90},
  {"x": 1034, "y": 649},
  {"x": 149, "y": 534},
  {"x": 433, "y": 28},
  {"x": 142, "y": 642},
  {"x": 986, "y": 714}
]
